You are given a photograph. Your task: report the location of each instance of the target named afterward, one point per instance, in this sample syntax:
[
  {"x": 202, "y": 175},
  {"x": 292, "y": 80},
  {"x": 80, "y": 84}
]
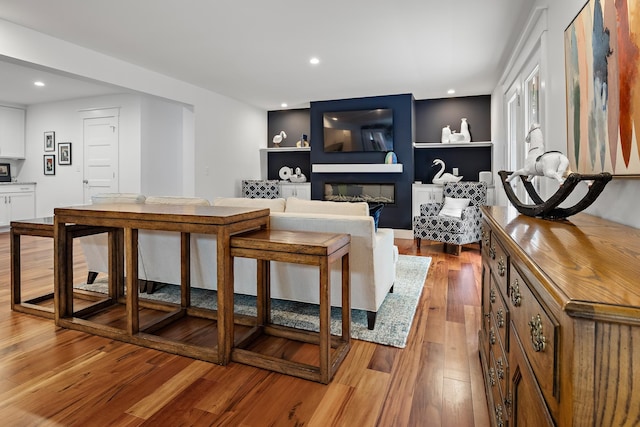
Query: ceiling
[{"x": 258, "y": 51}]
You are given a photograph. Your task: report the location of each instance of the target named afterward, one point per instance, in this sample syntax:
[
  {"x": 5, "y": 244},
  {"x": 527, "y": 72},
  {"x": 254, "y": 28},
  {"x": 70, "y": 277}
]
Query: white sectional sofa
[{"x": 373, "y": 255}]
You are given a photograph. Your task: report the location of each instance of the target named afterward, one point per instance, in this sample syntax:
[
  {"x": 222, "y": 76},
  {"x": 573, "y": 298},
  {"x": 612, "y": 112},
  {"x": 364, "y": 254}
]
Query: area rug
[{"x": 393, "y": 320}]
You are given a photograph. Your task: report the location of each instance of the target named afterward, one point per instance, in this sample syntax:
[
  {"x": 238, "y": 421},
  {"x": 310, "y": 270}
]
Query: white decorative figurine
[
  {"x": 298, "y": 176},
  {"x": 552, "y": 164},
  {"x": 446, "y": 133},
  {"x": 464, "y": 130},
  {"x": 278, "y": 138},
  {"x": 442, "y": 177}
]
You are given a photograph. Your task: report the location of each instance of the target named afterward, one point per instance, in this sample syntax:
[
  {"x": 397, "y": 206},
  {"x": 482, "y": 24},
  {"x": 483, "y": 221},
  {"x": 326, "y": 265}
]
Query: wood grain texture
[
  {"x": 574, "y": 329},
  {"x": 99, "y": 381}
]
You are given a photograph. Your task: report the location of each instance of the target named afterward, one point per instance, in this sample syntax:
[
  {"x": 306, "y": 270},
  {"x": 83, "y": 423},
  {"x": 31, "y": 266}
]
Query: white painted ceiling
[{"x": 258, "y": 51}]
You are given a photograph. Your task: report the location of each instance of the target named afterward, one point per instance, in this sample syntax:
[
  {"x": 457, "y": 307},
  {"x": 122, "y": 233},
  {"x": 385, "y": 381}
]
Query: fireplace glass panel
[{"x": 371, "y": 193}]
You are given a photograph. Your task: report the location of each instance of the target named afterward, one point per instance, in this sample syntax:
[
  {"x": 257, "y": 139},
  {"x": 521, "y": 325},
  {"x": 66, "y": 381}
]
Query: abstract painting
[{"x": 602, "y": 63}]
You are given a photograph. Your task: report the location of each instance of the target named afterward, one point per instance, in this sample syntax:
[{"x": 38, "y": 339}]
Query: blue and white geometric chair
[{"x": 459, "y": 222}]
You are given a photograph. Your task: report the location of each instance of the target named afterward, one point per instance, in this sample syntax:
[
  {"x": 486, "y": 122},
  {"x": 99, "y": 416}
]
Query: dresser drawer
[
  {"x": 538, "y": 332},
  {"x": 500, "y": 368},
  {"x": 500, "y": 314}
]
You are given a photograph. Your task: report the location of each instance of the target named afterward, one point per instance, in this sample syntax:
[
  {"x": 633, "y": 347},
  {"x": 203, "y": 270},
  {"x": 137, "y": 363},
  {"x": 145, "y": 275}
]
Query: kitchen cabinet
[
  {"x": 12, "y": 122},
  {"x": 17, "y": 201}
]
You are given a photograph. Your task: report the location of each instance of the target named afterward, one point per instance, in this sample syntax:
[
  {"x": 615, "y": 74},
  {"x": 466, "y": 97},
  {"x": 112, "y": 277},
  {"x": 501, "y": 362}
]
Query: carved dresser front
[{"x": 560, "y": 336}]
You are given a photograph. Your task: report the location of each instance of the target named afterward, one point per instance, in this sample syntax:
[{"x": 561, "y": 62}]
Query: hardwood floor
[{"x": 57, "y": 377}]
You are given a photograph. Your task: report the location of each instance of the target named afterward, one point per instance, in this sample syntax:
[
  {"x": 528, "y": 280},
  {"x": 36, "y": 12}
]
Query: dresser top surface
[{"x": 591, "y": 264}]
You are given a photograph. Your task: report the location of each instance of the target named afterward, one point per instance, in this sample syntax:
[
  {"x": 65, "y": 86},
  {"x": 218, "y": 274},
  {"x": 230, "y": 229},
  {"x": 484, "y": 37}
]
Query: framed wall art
[
  {"x": 602, "y": 63},
  {"x": 50, "y": 141},
  {"x": 64, "y": 153},
  {"x": 49, "y": 164}
]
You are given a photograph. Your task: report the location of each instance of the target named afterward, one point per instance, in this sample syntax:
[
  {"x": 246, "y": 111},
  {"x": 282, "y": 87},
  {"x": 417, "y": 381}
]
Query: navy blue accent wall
[
  {"x": 397, "y": 215},
  {"x": 293, "y": 122},
  {"x": 469, "y": 161},
  {"x": 419, "y": 121},
  {"x": 292, "y": 159},
  {"x": 434, "y": 114}
]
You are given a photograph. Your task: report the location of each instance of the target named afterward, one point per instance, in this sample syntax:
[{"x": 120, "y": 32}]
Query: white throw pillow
[{"x": 453, "y": 207}]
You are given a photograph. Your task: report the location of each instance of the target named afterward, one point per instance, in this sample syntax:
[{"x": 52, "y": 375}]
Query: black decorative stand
[{"x": 549, "y": 209}]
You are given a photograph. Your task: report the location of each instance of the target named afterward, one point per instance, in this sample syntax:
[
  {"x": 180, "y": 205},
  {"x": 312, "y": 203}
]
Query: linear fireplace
[{"x": 371, "y": 193}]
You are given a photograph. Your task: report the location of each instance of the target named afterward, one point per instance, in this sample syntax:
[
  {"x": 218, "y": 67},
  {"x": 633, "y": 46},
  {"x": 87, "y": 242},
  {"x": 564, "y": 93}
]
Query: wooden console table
[
  {"x": 38, "y": 227},
  {"x": 122, "y": 315},
  {"x": 560, "y": 338},
  {"x": 318, "y": 249}
]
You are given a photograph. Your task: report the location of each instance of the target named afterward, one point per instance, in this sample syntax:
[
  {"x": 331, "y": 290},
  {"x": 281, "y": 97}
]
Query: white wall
[
  {"x": 161, "y": 125},
  {"x": 227, "y": 133},
  {"x": 619, "y": 201},
  {"x": 65, "y": 119}
]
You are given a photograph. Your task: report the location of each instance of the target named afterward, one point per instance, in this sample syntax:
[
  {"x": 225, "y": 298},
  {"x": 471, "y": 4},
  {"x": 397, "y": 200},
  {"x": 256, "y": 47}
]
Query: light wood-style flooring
[{"x": 55, "y": 377}]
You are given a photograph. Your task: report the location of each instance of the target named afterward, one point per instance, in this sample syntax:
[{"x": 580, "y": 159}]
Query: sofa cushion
[
  {"x": 275, "y": 205},
  {"x": 295, "y": 205},
  {"x": 126, "y": 198},
  {"x": 171, "y": 200}
]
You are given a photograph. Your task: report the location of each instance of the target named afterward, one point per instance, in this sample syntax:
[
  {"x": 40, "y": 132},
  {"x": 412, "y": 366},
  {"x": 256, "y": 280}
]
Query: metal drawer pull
[
  {"x": 500, "y": 318},
  {"x": 500, "y": 368},
  {"x": 502, "y": 266},
  {"x": 537, "y": 334},
  {"x": 499, "y": 418},
  {"x": 514, "y": 291}
]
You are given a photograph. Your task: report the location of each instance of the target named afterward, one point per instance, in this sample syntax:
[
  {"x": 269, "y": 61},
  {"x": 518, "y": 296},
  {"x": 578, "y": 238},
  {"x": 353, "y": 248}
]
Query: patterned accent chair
[
  {"x": 450, "y": 230},
  {"x": 259, "y": 189}
]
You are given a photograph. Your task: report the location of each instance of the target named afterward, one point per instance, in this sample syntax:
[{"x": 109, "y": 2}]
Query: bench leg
[
  {"x": 91, "y": 277},
  {"x": 371, "y": 319}
]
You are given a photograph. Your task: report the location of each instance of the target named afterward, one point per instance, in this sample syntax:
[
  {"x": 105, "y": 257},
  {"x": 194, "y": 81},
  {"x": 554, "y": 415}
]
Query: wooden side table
[
  {"x": 319, "y": 249},
  {"x": 38, "y": 227}
]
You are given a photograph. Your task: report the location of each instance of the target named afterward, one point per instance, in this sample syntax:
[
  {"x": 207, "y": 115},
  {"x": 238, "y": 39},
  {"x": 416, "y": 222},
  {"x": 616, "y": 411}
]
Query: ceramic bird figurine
[
  {"x": 278, "y": 138},
  {"x": 441, "y": 177}
]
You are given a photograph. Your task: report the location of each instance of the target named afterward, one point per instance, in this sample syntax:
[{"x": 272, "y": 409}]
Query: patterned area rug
[{"x": 393, "y": 321}]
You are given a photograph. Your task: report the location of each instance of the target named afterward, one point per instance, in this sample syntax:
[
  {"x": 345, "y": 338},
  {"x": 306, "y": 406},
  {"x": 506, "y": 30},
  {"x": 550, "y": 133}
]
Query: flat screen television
[{"x": 359, "y": 130}]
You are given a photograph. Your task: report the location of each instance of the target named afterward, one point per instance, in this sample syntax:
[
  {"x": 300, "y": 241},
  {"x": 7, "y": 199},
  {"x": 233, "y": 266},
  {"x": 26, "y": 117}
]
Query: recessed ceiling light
[
  {"x": 38, "y": 83},
  {"x": 284, "y": 105},
  {"x": 451, "y": 91},
  {"x": 314, "y": 61}
]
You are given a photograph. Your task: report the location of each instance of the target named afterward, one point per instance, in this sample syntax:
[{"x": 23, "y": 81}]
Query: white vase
[
  {"x": 446, "y": 133},
  {"x": 464, "y": 130}
]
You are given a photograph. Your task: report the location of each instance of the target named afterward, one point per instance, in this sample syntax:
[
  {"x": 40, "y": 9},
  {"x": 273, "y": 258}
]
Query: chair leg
[{"x": 418, "y": 239}]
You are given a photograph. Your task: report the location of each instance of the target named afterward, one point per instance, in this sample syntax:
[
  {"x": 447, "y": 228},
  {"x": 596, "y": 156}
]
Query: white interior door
[{"x": 100, "y": 156}]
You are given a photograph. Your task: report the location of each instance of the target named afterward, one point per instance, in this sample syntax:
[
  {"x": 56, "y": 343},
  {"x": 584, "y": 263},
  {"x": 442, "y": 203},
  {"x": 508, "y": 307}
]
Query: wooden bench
[
  {"x": 319, "y": 249},
  {"x": 41, "y": 305}
]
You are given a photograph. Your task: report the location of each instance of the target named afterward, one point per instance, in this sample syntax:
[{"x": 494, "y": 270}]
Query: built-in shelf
[
  {"x": 284, "y": 149},
  {"x": 451, "y": 145},
  {"x": 356, "y": 168}
]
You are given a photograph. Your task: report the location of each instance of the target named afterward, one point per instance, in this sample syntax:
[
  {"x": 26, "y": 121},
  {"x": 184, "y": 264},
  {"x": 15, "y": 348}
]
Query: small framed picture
[
  {"x": 49, "y": 164},
  {"x": 50, "y": 141},
  {"x": 64, "y": 153}
]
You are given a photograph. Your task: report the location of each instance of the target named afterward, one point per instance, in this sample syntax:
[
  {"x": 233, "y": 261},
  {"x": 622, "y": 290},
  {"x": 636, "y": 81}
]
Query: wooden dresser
[{"x": 560, "y": 337}]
